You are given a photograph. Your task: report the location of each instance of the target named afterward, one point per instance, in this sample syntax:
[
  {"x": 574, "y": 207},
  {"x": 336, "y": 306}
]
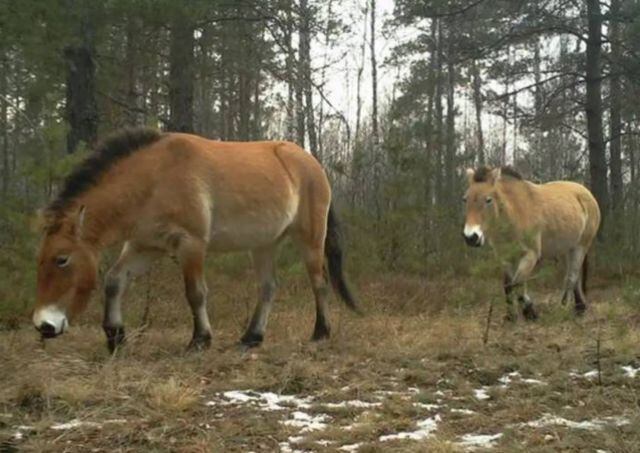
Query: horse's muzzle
[
  {"x": 473, "y": 240},
  {"x": 47, "y": 330}
]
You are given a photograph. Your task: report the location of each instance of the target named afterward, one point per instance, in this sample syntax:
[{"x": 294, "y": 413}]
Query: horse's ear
[
  {"x": 38, "y": 221},
  {"x": 470, "y": 174},
  {"x": 79, "y": 223},
  {"x": 496, "y": 174}
]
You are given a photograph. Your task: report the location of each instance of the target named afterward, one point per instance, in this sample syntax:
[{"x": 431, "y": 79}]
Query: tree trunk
[
  {"x": 359, "y": 75},
  {"x": 290, "y": 67},
  {"x": 478, "y": 104},
  {"x": 374, "y": 79},
  {"x": 81, "y": 108},
  {"x": 181, "y": 73},
  {"x": 597, "y": 158},
  {"x": 305, "y": 57},
  {"x": 615, "y": 162},
  {"x": 438, "y": 127},
  {"x": 449, "y": 163},
  {"x": 4, "y": 117},
  {"x": 132, "y": 115}
]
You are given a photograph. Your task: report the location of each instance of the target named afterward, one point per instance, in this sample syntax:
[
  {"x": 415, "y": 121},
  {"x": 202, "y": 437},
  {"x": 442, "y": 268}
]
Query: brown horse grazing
[
  {"x": 183, "y": 194},
  {"x": 549, "y": 220}
]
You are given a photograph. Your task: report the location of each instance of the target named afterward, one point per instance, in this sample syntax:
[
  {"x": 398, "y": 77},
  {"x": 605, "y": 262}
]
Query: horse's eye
[
  {"x": 62, "y": 260},
  {"x": 489, "y": 200}
]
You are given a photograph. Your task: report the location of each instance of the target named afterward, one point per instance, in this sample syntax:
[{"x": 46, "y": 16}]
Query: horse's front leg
[
  {"x": 133, "y": 261},
  {"x": 191, "y": 253},
  {"x": 523, "y": 272}
]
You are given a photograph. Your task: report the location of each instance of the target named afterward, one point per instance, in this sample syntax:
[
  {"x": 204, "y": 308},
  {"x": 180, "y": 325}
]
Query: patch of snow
[
  {"x": 267, "y": 401},
  {"x": 630, "y": 371},
  {"x": 595, "y": 424},
  {"x": 463, "y": 411},
  {"x": 472, "y": 441},
  {"x": 75, "y": 423},
  {"x": 286, "y": 448},
  {"x": 429, "y": 407},
  {"x": 481, "y": 393},
  {"x": 351, "y": 447},
  {"x": 593, "y": 374},
  {"x": 508, "y": 379},
  {"x": 307, "y": 422},
  {"x": 325, "y": 443},
  {"x": 425, "y": 428},
  {"x": 533, "y": 381},
  {"x": 352, "y": 403}
]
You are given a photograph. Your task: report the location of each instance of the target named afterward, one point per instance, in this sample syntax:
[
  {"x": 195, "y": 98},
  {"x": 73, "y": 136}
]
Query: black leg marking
[
  {"x": 200, "y": 342},
  {"x": 580, "y": 305},
  {"x": 321, "y": 331},
  {"x": 528, "y": 311},
  {"x": 115, "y": 337},
  {"x": 251, "y": 339}
]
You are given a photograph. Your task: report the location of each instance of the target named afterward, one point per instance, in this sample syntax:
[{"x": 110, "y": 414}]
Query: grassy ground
[{"x": 415, "y": 364}]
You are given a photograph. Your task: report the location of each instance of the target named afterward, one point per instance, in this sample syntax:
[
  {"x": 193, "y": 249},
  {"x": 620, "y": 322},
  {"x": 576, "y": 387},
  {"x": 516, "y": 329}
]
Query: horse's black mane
[
  {"x": 483, "y": 174},
  {"x": 115, "y": 147}
]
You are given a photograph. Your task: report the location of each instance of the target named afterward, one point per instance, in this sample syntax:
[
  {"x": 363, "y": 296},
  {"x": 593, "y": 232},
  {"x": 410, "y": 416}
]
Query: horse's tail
[
  {"x": 334, "y": 256},
  {"x": 585, "y": 274}
]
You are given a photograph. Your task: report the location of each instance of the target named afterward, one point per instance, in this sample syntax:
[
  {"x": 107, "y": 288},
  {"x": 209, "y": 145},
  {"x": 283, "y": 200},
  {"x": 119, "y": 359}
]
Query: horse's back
[{"x": 241, "y": 195}]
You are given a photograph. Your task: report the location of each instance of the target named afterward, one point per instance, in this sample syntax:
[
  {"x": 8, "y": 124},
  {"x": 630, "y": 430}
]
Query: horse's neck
[
  {"x": 111, "y": 211},
  {"x": 519, "y": 201}
]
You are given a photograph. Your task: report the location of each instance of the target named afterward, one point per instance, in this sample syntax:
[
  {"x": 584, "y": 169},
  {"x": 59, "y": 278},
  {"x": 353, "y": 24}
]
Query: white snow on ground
[
  {"x": 595, "y": 424},
  {"x": 350, "y": 447},
  {"x": 75, "y": 423},
  {"x": 351, "y": 403},
  {"x": 429, "y": 407},
  {"x": 267, "y": 401},
  {"x": 307, "y": 422},
  {"x": 593, "y": 374},
  {"x": 481, "y": 393},
  {"x": 286, "y": 448},
  {"x": 630, "y": 371},
  {"x": 425, "y": 428},
  {"x": 509, "y": 377},
  {"x": 471, "y": 442},
  {"x": 463, "y": 411}
]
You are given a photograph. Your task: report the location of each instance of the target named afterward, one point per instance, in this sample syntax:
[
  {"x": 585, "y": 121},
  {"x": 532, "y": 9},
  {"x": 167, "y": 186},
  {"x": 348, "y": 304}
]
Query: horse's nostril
[{"x": 47, "y": 330}]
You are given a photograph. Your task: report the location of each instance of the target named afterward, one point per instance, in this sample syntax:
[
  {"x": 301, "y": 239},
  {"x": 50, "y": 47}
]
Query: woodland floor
[{"x": 413, "y": 374}]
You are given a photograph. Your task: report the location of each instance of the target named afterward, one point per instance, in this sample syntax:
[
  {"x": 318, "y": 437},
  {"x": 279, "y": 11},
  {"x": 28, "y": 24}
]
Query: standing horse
[
  {"x": 549, "y": 220},
  {"x": 184, "y": 195}
]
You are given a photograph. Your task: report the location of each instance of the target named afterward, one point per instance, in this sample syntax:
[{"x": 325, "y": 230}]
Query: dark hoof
[
  {"x": 320, "y": 333},
  {"x": 250, "y": 340},
  {"x": 580, "y": 309},
  {"x": 199, "y": 343},
  {"x": 529, "y": 313},
  {"x": 115, "y": 337}
]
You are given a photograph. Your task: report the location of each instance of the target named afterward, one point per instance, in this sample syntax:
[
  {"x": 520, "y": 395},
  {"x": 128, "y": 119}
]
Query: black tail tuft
[{"x": 333, "y": 253}]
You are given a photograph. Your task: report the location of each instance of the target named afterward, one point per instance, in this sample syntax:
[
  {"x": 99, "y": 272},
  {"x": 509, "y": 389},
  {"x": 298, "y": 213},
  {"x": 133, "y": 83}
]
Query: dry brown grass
[{"x": 425, "y": 335}]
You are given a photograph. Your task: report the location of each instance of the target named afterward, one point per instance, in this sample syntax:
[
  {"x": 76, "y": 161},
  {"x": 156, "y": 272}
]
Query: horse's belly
[{"x": 248, "y": 231}]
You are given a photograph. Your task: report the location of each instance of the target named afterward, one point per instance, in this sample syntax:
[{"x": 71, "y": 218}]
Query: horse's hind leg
[
  {"x": 311, "y": 245},
  {"x": 191, "y": 253},
  {"x": 314, "y": 260},
  {"x": 133, "y": 261},
  {"x": 263, "y": 262},
  {"x": 573, "y": 280}
]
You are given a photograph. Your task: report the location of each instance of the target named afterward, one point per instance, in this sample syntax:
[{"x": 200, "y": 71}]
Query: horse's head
[
  {"x": 480, "y": 203},
  {"x": 67, "y": 273}
]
